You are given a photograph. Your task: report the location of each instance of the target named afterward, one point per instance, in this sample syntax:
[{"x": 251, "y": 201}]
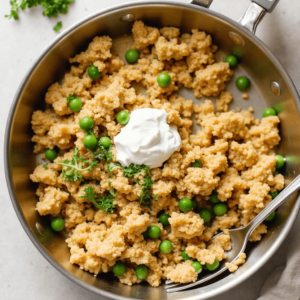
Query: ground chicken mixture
[{"x": 235, "y": 151}]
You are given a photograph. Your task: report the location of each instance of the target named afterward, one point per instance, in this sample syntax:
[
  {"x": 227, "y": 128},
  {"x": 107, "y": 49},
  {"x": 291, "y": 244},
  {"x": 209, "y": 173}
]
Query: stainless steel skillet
[{"x": 257, "y": 62}]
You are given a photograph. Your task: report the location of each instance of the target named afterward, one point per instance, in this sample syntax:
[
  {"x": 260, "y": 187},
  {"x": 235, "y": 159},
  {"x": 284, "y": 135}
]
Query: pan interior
[{"x": 255, "y": 63}]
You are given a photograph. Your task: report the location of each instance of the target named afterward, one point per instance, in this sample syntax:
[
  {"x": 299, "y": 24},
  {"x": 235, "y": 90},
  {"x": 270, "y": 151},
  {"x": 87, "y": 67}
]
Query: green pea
[
  {"x": 280, "y": 161},
  {"x": 220, "y": 209},
  {"x": 271, "y": 216},
  {"x": 154, "y": 231},
  {"x": 90, "y": 142},
  {"x": 165, "y": 246},
  {"x": 194, "y": 203},
  {"x": 232, "y": 60},
  {"x": 145, "y": 234},
  {"x": 185, "y": 204},
  {"x": 205, "y": 214},
  {"x": 50, "y": 154},
  {"x": 197, "y": 164},
  {"x": 279, "y": 108},
  {"x": 184, "y": 255},
  {"x": 123, "y": 117},
  {"x": 105, "y": 141},
  {"x": 214, "y": 199},
  {"x": 119, "y": 268},
  {"x": 269, "y": 112},
  {"x": 197, "y": 266},
  {"x": 141, "y": 272},
  {"x": 274, "y": 194},
  {"x": 86, "y": 123},
  {"x": 94, "y": 72},
  {"x": 75, "y": 105},
  {"x": 164, "y": 79},
  {"x": 214, "y": 266},
  {"x": 58, "y": 224},
  {"x": 164, "y": 219},
  {"x": 243, "y": 83},
  {"x": 132, "y": 56}
]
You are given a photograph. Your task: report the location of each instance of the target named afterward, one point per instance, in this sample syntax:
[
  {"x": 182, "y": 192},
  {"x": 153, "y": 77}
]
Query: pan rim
[{"x": 289, "y": 222}]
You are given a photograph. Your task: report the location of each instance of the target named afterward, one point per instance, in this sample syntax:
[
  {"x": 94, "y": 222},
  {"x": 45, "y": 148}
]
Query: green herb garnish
[
  {"x": 70, "y": 98},
  {"x": 103, "y": 153},
  {"x": 58, "y": 26},
  {"x": 72, "y": 171},
  {"x": 45, "y": 166},
  {"x": 131, "y": 172},
  {"x": 105, "y": 203},
  {"x": 111, "y": 166},
  {"x": 51, "y": 8}
]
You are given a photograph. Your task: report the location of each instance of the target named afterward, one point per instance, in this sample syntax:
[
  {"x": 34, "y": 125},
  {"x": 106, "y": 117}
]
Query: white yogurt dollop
[{"x": 147, "y": 139}]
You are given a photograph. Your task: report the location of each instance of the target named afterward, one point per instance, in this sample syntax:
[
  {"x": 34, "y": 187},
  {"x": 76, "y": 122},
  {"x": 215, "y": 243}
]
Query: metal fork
[{"x": 239, "y": 238}]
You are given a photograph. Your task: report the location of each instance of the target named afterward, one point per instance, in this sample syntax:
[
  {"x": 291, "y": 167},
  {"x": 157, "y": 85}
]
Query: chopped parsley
[
  {"x": 103, "y": 153},
  {"x": 57, "y": 27},
  {"x": 105, "y": 203},
  {"x": 72, "y": 171},
  {"x": 70, "y": 98},
  {"x": 51, "y": 8},
  {"x": 111, "y": 166},
  {"x": 45, "y": 166},
  {"x": 131, "y": 172}
]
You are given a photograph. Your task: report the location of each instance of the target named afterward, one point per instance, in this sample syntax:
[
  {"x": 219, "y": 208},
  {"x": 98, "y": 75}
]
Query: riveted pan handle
[{"x": 252, "y": 16}]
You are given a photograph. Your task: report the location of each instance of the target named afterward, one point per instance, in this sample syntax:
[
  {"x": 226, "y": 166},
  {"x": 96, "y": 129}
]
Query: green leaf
[
  {"x": 57, "y": 28},
  {"x": 70, "y": 98},
  {"x": 105, "y": 203},
  {"x": 45, "y": 166},
  {"x": 111, "y": 166},
  {"x": 132, "y": 171},
  {"x": 71, "y": 171},
  {"x": 51, "y": 8},
  {"x": 103, "y": 153}
]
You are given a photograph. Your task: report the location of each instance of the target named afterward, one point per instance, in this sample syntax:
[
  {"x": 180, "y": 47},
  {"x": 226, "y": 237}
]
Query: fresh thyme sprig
[{"x": 105, "y": 203}]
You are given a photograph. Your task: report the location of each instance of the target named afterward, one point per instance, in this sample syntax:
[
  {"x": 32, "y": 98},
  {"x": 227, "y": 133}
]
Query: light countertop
[{"x": 24, "y": 273}]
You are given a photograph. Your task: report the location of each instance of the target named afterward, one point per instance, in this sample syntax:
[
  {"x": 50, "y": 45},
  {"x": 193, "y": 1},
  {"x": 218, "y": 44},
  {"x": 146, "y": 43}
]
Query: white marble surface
[{"x": 24, "y": 273}]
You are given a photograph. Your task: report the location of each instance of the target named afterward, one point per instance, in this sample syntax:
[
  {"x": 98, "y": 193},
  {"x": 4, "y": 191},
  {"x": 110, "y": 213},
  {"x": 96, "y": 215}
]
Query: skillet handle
[
  {"x": 268, "y": 5},
  {"x": 256, "y": 12},
  {"x": 252, "y": 16}
]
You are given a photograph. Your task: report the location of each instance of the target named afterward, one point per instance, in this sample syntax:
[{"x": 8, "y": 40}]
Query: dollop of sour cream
[{"x": 147, "y": 139}]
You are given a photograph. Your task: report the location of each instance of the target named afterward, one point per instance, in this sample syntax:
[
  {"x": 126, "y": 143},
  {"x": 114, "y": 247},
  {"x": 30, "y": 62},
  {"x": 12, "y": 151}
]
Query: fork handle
[{"x": 293, "y": 187}]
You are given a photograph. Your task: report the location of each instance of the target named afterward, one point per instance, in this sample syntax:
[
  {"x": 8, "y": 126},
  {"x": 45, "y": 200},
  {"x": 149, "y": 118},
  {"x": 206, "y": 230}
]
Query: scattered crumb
[{"x": 234, "y": 266}]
